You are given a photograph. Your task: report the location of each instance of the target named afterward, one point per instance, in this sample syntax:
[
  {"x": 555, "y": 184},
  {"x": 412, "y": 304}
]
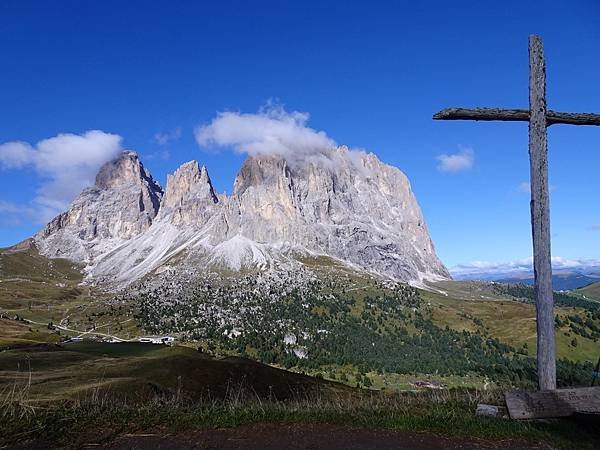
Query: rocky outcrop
[
  {"x": 344, "y": 204},
  {"x": 120, "y": 205},
  {"x": 190, "y": 198}
]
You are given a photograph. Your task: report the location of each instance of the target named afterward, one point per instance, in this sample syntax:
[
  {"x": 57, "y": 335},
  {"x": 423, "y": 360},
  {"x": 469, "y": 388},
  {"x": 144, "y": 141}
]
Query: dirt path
[
  {"x": 82, "y": 333},
  {"x": 307, "y": 436}
]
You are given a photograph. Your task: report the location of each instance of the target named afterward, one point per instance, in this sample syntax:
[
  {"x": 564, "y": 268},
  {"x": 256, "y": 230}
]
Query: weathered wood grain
[
  {"x": 556, "y": 403},
  {"x": 516, "y": 115},
  {"x": 554, "y": 117},
  {"x": 540, "y": 217}
]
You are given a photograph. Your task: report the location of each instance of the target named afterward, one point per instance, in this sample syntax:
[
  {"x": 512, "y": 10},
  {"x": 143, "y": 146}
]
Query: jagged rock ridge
[
  {"x": 121, "y": 204},
  {"x": 344, "y": 204}
]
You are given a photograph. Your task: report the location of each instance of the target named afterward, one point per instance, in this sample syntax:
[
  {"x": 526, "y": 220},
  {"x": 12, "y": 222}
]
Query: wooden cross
[{"x": 539, "y": 119}]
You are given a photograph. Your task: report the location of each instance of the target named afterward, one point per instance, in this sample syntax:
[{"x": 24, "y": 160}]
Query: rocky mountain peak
[
  {"x": 260, "y": 170},
  {"x": 344, "y": 203},
  {"x": 122, "y": 204},
  {"x": 189, "y": 194},
  {"x": 125, "y": 169},
  {"x": 189, "y": 182}
]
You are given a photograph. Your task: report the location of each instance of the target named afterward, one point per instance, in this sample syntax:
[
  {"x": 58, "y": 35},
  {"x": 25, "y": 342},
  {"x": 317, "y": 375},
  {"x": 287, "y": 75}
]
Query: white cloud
[
  {"x": 456, "y": 162},
  {"x": 524, "y": 187},
  {"x": 271, "y": 131},
  {"x": 15, "y": 155},
  {"x": 65, "y": 164},
  {"x": 482, "y": 268},
  {"x": 168, "y": 137}
]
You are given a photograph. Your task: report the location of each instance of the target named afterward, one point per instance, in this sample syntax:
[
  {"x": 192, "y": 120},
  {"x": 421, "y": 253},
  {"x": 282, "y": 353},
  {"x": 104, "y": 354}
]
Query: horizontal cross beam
[{"x": 516, "y": 115}]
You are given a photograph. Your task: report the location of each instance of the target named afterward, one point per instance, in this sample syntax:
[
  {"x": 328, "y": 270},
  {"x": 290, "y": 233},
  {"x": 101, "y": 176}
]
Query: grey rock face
[
  {"x": 189, "y": 198},
  {"x": 347, "y": 204},
  {"x": 122, "y": 204},
  {"x": 344, "y": 204}
]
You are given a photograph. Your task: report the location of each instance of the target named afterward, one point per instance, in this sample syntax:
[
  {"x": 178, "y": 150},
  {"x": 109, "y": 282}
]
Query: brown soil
[{"x": 307, "y": 436}]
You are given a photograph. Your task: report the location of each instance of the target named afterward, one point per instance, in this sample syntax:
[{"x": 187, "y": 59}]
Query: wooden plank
[
  {"x": 516, "y": 115},
  {"x": 553, "y": 117},
  {"x": 540, "y": 217},
  {"x": 556, "y": 403}
]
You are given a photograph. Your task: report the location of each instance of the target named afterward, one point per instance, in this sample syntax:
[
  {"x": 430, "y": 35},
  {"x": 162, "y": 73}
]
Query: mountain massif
[{"x": 343, "y": 204}]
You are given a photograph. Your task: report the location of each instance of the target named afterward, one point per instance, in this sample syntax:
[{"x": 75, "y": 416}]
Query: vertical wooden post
[{"x": 540, "y": 216}]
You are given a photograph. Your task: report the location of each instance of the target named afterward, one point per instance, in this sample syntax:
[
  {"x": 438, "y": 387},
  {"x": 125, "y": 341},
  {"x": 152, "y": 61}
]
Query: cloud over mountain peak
[{"x": 270, "y": 131}]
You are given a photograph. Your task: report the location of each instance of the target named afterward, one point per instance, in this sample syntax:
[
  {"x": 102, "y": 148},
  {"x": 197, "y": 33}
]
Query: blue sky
[{"x": 370, "y": 74}]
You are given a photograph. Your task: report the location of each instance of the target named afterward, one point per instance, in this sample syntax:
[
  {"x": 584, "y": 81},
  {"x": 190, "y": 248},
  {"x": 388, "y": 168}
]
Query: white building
[{"x": 167, "y": 340}]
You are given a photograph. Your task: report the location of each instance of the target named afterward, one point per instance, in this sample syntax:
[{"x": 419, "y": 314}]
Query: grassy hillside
[
  {"x": 352, "y": 327},
  {"x": 139, "y": 371},
  {"x": 508, "y": 313},
  {"x": 28, "y": 279},
  {"x": 50, "y": 303},
  {"x": 591, "y": 291},
  {"x": 93, "y": 394}
]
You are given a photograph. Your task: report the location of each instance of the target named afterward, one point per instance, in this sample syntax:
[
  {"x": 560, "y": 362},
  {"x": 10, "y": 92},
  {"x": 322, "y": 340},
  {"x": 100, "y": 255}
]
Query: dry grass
[
  {"x": 509, "y": 321},
  {"x": 591, "y": 291},
  {"x": 100, "y": 416}
]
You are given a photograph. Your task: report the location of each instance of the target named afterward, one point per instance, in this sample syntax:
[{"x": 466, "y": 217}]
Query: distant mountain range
[
  {"x": 560, "y": 282},
  {"x": 562, "y": 279}
]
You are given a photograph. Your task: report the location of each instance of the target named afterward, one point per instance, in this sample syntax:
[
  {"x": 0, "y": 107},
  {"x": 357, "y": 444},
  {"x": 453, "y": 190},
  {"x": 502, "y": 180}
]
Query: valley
[{"x": 324, "y": 319}]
